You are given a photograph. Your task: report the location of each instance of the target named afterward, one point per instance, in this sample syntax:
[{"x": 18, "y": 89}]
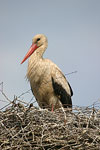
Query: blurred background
[{"x": 73, "y": 31}]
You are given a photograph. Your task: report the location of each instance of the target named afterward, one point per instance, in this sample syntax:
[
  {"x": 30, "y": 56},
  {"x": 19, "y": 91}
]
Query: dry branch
[{"x": 31, "y": 128}]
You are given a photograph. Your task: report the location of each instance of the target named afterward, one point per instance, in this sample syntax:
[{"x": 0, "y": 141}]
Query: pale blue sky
[{"x": 73, "y": 31}]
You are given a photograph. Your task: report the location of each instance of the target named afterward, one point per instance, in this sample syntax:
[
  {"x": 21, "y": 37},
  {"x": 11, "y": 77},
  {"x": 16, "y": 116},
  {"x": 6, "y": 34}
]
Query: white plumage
[{"x": 48, "y": 84}]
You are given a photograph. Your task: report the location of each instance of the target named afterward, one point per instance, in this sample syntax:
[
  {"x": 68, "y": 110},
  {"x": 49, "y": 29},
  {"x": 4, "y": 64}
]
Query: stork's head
[{"x": 38, "y": 42}]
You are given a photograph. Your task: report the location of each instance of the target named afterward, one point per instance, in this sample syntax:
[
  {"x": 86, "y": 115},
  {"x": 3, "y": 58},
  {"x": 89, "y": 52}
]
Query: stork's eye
[{"x": 38, "y": 39}]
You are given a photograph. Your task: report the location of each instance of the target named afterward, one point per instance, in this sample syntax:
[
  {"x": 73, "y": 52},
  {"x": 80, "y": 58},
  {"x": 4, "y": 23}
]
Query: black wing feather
[
  {"x": 70, "y": 89},
  {"x": 64, "y": 97}
]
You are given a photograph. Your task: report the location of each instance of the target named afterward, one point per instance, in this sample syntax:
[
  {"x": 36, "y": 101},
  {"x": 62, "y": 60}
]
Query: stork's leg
[{"x": 52, "y": 108}]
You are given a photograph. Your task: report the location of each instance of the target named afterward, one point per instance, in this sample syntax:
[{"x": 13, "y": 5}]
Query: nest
[{"x": 31, "y": 128}]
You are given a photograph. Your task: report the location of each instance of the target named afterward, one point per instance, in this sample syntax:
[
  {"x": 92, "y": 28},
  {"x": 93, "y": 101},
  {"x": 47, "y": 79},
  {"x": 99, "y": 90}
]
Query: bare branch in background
[{"x": 1, "y": 85}]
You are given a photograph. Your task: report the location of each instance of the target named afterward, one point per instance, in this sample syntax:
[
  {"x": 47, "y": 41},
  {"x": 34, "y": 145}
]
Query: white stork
[{"x": 48, "y": 84}]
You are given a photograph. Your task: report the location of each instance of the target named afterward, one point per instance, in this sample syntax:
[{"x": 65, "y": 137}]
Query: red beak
[{"x": 29, "y": 53}]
